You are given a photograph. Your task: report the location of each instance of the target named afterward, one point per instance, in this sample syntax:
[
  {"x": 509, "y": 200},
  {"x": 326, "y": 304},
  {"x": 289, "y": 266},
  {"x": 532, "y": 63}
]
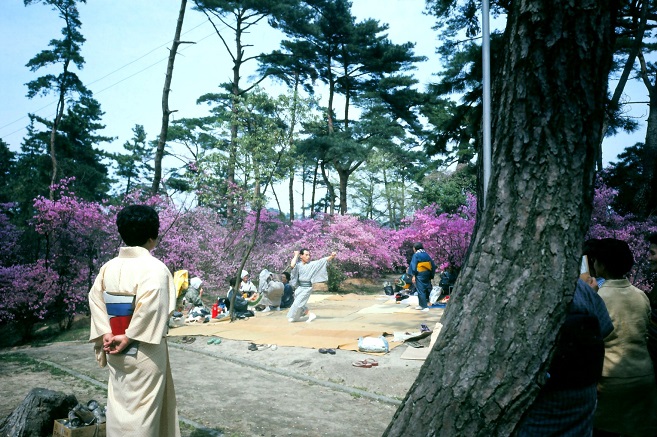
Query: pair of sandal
[
  {"x": 327, "y": 351},
  {"x": 188, "y": 340},
  {"x": 261, "y": 347},
  {"x": 367, "y": 363},
  {"x": 214, "y": 341}
]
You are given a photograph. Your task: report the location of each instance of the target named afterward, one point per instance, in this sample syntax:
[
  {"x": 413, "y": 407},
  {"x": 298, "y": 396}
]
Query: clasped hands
[{"x": 115, "y": 344}]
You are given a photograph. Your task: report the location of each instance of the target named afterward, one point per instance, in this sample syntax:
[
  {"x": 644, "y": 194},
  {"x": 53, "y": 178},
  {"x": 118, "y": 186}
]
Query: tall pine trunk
[{"x": 510, "y": 300}]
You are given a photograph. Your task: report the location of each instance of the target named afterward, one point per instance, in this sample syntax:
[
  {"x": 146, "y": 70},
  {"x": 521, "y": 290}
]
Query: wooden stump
[{"x": 34, "y": 417}]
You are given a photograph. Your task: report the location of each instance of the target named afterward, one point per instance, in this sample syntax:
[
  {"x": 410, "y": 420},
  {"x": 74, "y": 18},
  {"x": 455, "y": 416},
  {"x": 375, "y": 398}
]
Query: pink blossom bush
[
  {"x": 446, "y": 237},
  {"x": 606, "y": 223},
  {"x": 77, "y": 240},
  {"x": 26, "y": 293},
  {"x": 77, "y": 237}
]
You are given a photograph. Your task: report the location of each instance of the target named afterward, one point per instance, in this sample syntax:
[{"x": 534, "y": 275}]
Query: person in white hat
[
  {"x": 194, "y": 292},
  {"x": 246, "y": 286}
]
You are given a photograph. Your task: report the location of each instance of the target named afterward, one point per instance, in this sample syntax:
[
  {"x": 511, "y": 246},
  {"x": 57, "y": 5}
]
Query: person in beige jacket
[
  {"x": 130, "y": 304},
  {"x": 627, "y": 394}
]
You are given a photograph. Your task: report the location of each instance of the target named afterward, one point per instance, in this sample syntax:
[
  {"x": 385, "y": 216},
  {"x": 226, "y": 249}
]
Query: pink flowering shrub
[
  {"x": 77, "y": 237},
  {"x": 606, "y": 223},
  {"x": 26, "y": 293},
  {"x": 446, "y": 237},
  {"x": 363, "y": 247}
]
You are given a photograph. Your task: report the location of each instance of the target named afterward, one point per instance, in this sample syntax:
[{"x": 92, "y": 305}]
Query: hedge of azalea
[{"x": 76, "y": 237}]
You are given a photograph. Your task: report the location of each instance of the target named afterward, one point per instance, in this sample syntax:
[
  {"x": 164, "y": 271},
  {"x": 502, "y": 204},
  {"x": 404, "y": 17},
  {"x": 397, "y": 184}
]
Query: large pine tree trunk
[{"x": 510, "y": 299}]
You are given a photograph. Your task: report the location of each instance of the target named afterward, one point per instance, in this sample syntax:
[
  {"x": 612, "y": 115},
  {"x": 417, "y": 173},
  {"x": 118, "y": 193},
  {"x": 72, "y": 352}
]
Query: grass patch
[
  {"x": 29, "y": 364},
  {"x": 46, "y": 332}
]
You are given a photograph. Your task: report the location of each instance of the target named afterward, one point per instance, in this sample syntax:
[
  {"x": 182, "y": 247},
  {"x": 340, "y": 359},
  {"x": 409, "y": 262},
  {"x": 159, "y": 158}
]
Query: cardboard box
[{"x": 84, "y": 431}]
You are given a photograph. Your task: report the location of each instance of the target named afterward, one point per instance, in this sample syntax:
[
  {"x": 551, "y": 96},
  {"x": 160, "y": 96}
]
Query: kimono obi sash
[
  {"x": 119, "y": 309},
  {"x": 305, "y": 284}
]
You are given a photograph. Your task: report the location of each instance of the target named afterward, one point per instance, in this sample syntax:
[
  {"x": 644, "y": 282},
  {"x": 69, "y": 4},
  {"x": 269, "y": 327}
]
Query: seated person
[
  {"x": 194, "y": 292},
  {"x": 404, "y": 287},
  {"x": 288, "y": 292},
  {"x": 246, "y": 286},
  {"x": 240, "y": 303},
  {"x": 446, "y": 283},
  {"x": 271, "y": 289}
]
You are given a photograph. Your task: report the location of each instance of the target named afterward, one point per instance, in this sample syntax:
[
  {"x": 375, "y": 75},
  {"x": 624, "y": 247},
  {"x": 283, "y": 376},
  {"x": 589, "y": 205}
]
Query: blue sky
[
  {"x": 127, "y": 47},
  {"x": 135, "y": 41}
]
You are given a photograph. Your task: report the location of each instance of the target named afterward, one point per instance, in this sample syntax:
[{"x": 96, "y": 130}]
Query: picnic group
[{"x": 600, "y": 380}]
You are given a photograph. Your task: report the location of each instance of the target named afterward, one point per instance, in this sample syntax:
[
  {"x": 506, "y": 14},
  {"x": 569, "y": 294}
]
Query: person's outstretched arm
[{"x": 294, "y": 259}]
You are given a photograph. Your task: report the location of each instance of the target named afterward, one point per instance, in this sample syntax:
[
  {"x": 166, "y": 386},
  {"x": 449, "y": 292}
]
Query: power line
[
  {"x": 145, "y": 54},
  {"x": 113, "y": 72}
]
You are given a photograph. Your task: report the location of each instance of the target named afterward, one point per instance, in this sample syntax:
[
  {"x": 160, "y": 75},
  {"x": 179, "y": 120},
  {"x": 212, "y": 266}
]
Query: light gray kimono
[
  {"x": 272, "y": 290},
  {"x": 303, "y": 276}
]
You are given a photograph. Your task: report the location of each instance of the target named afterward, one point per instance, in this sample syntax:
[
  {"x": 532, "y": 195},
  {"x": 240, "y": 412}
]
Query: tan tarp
[
  {"x": 341, "y": 320},
  {"x": 422, "y": 353}
]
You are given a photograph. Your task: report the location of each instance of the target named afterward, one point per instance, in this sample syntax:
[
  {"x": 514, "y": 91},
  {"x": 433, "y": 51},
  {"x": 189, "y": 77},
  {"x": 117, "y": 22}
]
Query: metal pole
[{"x": 485, "y": 55}]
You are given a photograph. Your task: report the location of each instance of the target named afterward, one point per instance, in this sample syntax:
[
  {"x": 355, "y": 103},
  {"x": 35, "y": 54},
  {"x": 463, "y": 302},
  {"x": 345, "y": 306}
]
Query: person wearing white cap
[
  {"x": 194, "y": 292},
  {"x": 246, "y": 286}
]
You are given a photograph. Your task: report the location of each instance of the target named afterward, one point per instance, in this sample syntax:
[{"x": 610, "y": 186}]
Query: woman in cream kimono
[{"x": 130, "y": 304}]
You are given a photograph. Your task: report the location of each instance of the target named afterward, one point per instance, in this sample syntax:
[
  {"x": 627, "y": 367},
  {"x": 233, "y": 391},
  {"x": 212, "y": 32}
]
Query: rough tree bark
[
  {"x": 36, "y": 414},
  {"x": 166, "y": 112},
  {"x": 510, "y": 299}
]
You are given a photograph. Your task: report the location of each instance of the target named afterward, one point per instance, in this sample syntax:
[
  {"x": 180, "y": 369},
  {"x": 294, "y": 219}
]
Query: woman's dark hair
[
  {"x": 304, "y": 250},
  {"x": 287, "y": 275},
  {"x": 137, "y": 223},
  {"x": 418, "y": 246},
  {"x": 615, "y": 255},
  {"x": 589, "y": 247}
]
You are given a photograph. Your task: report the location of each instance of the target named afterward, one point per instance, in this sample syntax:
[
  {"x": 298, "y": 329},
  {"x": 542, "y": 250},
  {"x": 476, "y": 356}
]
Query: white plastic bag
[
  {"x": 373, "y": 344},
  {"x": 436, "y": 291}
]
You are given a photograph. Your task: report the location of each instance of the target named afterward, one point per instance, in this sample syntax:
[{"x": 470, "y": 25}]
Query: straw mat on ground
[{"x": 341, "y": 320}]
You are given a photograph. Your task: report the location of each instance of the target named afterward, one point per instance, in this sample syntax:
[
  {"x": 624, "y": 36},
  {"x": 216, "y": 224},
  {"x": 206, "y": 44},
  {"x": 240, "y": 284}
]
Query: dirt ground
[{"x": 226, "y": 389}]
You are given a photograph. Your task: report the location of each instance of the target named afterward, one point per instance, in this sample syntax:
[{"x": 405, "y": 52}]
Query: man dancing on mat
[{"x": 303, "y": 276}]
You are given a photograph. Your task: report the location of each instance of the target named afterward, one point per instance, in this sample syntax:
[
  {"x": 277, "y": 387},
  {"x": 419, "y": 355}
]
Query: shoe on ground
[
  {"x": 267, "y": 309},
  {"x": 277, "y": 308},
  {"x": 290, "y": 320},
  {"x": 425, "y": 309},
  {"x": 311, "y": 317},
  {"x": 418, "y": 307}
]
